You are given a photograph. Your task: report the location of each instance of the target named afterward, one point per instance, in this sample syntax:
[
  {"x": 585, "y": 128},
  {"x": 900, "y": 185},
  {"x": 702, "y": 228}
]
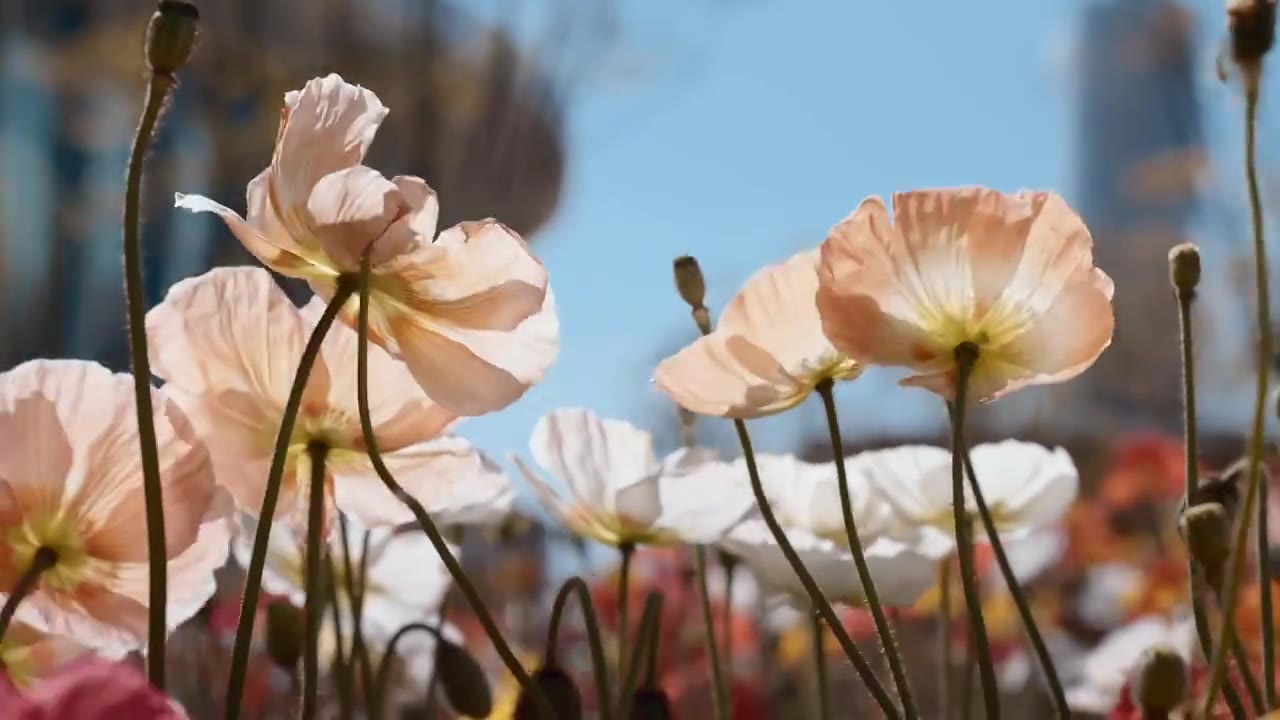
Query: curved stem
[
  {"x": 966, "y": 355},
  {"x": 270, "y": 497},
  {"x": 820, "y": 666},
  {"x": 1261, "y": 270},
  {"x": 887, "y": 642},
  {"x": 157, "y": 559},
  {"x": 1056, "y": 693},
  {"x": 576, "y": 585},
  {"x": 648, "y": 635},
  {"x": 429, "y": 712},
  {"x": 388, "y": 655},
  {"x": 43, "y": 559},
  {"x": 626, "y": 550},
  {"x": 713, "y": 647},
  {"x": 317, "y": 452},
  {"x": 816, "y": 597},
  {"x": 428, "y": 526},
  {"x": 944, "y": 637}
]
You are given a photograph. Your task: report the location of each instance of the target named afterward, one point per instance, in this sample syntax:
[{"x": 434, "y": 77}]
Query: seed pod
[
  {"x": 560, "y": 691},
  {"x": 171, "y": 35}
]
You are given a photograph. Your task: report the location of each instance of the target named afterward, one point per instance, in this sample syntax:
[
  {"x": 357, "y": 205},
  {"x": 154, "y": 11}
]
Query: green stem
[
  {"x": 713, "y": 647},
  {"x": 1251, "y": 685},
  {"x": 887, "y": 642},
  {"x": 730, "y": 565},
  {"x": 1056, "y": 693},
  {"x": 428, "y": 526},
  {"x": 576, "y": 585},
  {"x": 341, "y": 669},
  {"x": 317, "y": 452},
  {"x": 1265, "y": 604},
  {"x": 270, "y": 497},
  {"x": 43, "y": 559},
  {"x": 430, "y": 711},
  {"x": 820, "y": 666},
  {"x": 626, "y": 550},
  {"x": 388, "y": 656},
  {"x": 153, "y": 499},
  {"x": 966, "y": 679},
  {"x": 353, "y": 580},
  {"x": 648, "y": 635},
  {"x": 944, "y": 637},
  {"x": 811, "y": 587},
  {"x": 966, "y": 355},
  {"x": 1261, "y": 269},
  {"x": 1201, "y": 616}
]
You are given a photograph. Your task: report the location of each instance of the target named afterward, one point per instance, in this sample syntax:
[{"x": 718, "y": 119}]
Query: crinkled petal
[
  {"x": 593, "y": 456},
  {"x": 350, "y": 209}
]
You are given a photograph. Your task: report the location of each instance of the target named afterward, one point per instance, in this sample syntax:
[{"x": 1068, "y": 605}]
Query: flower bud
[
  {"x": 689, "y": 281},
  {"x": 1160, "y": 682},
  {"x": 1184, "y": 267},
  {"x": 171, "y": 35},
  {"x": 1206, "y": 529},
  {"x": 650, "y": 704},
  {"x": 561, "y": 693},
  {"x": 286, "y": 626},
  {"x": 1252, "y": 28}
]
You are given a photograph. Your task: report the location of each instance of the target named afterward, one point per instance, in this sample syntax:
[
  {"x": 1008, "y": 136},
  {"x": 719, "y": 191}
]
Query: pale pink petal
[
  {"x": 108, "y": 622},
  {"x": 276, "y": 251},
  {"x": 453, "y": 481},
  {"x": 417, "y": 227},
  {"x": 593, "y": 456},
  {"x": 325, "y": 127},
  {"x": 35, "y": 450},
  {"x": 349, "y": 209},
  {"x": 728, "y": 376}
]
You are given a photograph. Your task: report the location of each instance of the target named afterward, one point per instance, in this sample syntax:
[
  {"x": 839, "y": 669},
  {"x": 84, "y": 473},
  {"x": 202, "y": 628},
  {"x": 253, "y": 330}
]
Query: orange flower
[
  {"x": 469, "y": 312},
  {"x": 767, "y": 352},
  {"x": 1012, "y": 274},
  {"x": 72, "y": 483}
]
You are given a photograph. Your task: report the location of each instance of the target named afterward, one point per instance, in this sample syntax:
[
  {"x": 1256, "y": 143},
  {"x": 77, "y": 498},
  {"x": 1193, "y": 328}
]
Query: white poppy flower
[
  {"x": 618, "y": 491},
  {"x": 1027, "y": 488},
  {"x": 1106, "y": 669},
  {"x": 806, "y": 500}
]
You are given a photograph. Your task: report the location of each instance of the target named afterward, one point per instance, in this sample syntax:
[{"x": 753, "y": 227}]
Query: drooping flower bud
[
  {"x": 1184, "y": 267},
  {"x": 1251, "y": 25},
  {"x": 286, "y": 626},
  {"x": 462, "y": 680},
  {"x": 171, "y": 35},
  {"x": 1206, "y": 529},
  {"x": 1160, "y": 682},
  {"x": 693, "y": 289},
  {"x": 650, "y": 704},
  {"x": 561, "y": 693}
]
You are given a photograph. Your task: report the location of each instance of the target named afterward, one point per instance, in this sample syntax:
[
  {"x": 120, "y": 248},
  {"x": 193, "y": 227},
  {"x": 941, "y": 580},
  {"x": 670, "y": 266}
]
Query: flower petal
[
  {"x": 1031, "y": 485},
  {"x": 415, "y": 228},
  {"x": 349, "y": 209},
  {"x": 593, "y": 456},
  {"x": 277, "y": 251},
  {"x": 702, "y": 498},
  {"x": 728, "y": 376}
]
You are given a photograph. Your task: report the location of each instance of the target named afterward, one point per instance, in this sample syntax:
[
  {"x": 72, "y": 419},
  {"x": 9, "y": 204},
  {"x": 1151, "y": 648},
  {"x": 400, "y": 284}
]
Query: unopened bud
[
  {"x": 1160, "y": 682},
  {"x": 286, "y": 626},
  {"x": 171, "y": 35},
  {"x": 689, "y": 281},
  {"x": 1184, "y": 267},
  {"x": 559, "y": 690},
  {"x": 1252, "y": 27},
  {"x": 650, "y": 704},
  {"x": 1206, "y": 529}
]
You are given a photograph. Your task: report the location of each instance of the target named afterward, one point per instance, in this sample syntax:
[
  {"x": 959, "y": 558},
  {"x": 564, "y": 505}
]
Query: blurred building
[
  {"x": 473, "y": 113},
  {"x": 1141, "y": 151}
]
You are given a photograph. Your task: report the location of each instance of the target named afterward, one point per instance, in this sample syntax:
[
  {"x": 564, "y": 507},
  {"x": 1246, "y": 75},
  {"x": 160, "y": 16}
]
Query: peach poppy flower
[
  {"x": 71, "y": 481},
  {"x": 1012, "y": 274},
  {"x": 28, "y": 655},
  {"x": 766, "y": 354},
  {"x": 228, "y": 343},
  {"x": 469, "y": 311}
]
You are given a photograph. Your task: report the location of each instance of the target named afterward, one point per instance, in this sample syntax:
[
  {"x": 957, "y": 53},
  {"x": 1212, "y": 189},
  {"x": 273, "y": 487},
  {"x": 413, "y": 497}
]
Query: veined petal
[
  {"x": 547, "y": 497},
  {"x": 593, "y": 456},
  {"x": 350, "y": 209},
  {"x": 729, "y": 376},
  {"x": 413, "y": 229}
]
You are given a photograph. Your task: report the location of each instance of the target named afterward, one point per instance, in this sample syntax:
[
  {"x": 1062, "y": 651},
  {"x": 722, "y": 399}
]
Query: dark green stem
[
  {"x": 270, "y": 497},
  {"x": 353, "y": 581},
  {"x": 1251, "y": 685},
  {"x": 316, "y": 452},
  {"x": 887, "y": 642},
  {"x": 730, "y": 565},
  {"x": 650, "y": 617},
  {"x": 576, "y": 585},
  {"x": 966, "y": 356},
  {"x": 42, "y": 560},
  {"x": 820, "y": 666},
  {"x": 1056, "y": 693},
  {"x": 388, "y": 655},
  {"x": 429, "y": 712},
  {"x": 1245, "y": 520},
  {"x": 946, "y": 663},
  {"x": 811, "y": 587},
  {"x": 158, "y": 89},
  {"x": 626, "y": 550},
  {"x": 341, "y": 669},
  {"x": 713, "y": 647},
  {"x": 1265, "y": 604},
  {"x": 428, "y": 526}
]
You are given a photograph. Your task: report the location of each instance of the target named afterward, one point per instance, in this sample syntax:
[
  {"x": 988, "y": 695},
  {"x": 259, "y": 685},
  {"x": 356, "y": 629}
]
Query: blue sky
[{"x": 739, "y": 132}]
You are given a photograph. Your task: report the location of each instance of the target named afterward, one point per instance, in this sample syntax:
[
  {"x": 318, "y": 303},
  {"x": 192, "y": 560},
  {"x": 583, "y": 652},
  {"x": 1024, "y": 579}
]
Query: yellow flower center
[
  {"x": 58, "y": 533},
  {"x": 993, "y": 332}
]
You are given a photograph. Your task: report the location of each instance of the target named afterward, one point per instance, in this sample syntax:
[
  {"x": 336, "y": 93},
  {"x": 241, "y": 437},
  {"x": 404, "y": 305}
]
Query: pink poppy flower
[
  {"x": 228, "y": 343},
  {"x": 28, "y": 655},
  {"x": 71, "y": 481},
  {"x": 1012, "y": 274},
  {"x": 766, "y": 354},
  {"x": 92, "y": 689},
  {"x": 469, "y": 312}
]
